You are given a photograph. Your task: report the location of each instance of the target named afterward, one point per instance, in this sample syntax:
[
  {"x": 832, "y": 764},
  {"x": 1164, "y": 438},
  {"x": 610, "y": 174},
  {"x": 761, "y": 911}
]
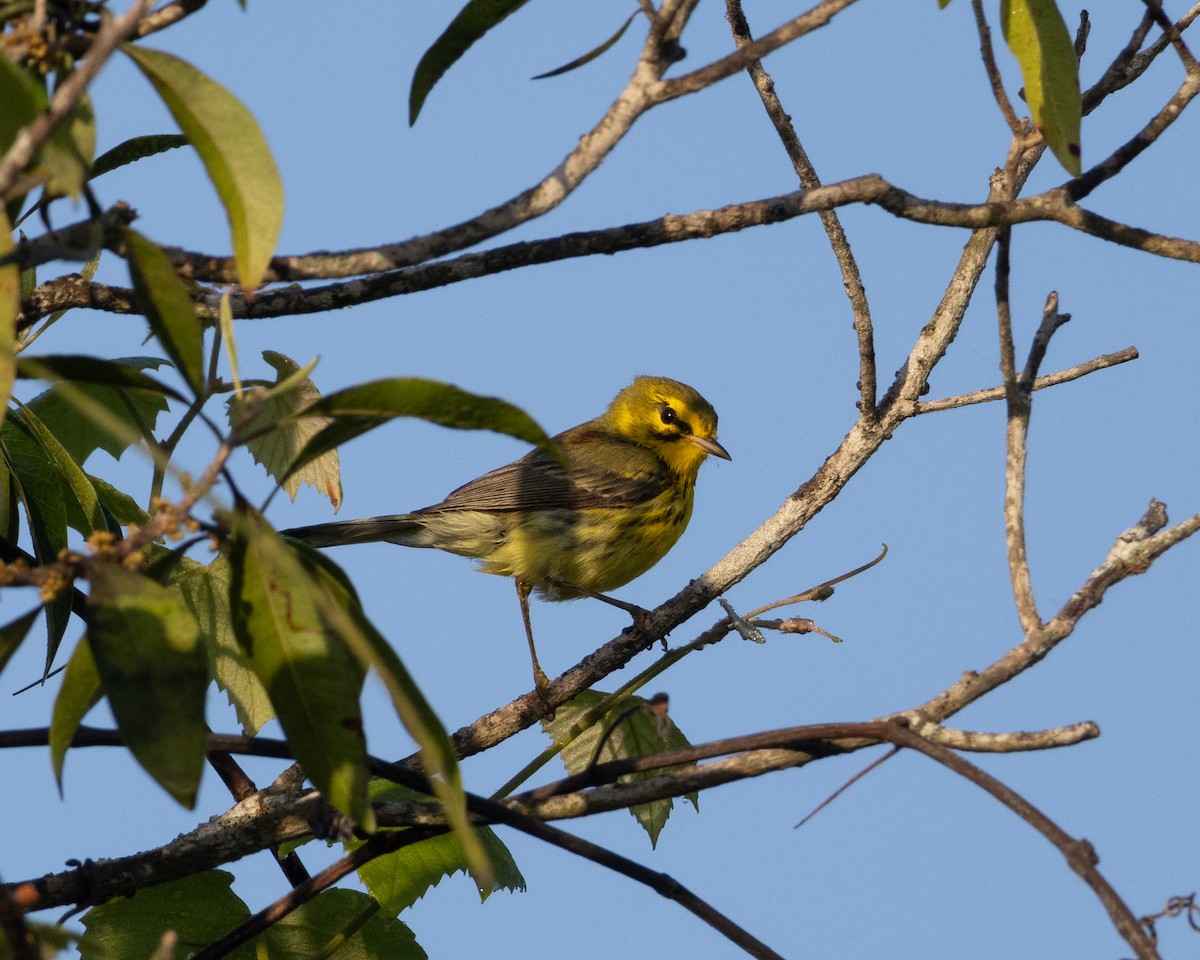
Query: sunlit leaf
[
  {"x": 640, "y": 731},
  {"x": 397, "y": 880},
  {"x": 80, "y": 499},
  {"x": 154, "y": 671},
  {"x": 233, "y": 150},
  {"x": 205, "y": 592},
  {"x": 1038, "y": 37},
  {"x": 272, "y": 411},
  {"x": 313, "y": 680},
  {"x": 344, "y": 615},
  {"x": 472, "y": 22},
  {"x": 10, "y": 306},
  {"x": 58, "y": 162},
  {"x": 358, "y": 409},
  {"x": 164, "y": 298},
  {"x": 77, "y": 694},
  {"x": 344, "y": 925},
  {"x": 199, "y": 909}
]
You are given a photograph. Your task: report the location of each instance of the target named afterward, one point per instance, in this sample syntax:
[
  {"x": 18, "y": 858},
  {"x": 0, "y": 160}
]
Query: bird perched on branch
[{"x": 607, "y": 514}]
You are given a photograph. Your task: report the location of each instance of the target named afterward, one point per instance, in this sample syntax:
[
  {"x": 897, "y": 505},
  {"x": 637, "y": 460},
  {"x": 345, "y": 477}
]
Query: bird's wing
[{"x": 539, "y": 482}]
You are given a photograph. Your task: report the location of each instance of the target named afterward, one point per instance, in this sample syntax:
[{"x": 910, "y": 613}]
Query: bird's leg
[
  {"x": 640, "y": 614},
  {"x": 540, "y": 680}
]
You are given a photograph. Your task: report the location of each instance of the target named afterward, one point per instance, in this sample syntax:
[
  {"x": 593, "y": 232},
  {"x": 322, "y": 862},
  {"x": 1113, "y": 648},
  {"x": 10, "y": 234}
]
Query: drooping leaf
[
  {"x": 80, "y": 499},
  {"x": 13, "y": 634},
  {"x": 260, "y": 409},
  {"x": 233, "y": 150},
  {"x": 398, "y": 880},
  {"x": 358, "y": 409},
  {"x": 591, "y": 54},
  {"x": 198, "y": 909},
  {"x": 97, "y": 404},
  {"x": 344, "y": 925},
  {"x": 164, "y": 299},
  {"x": 312, "y": 679},
  {"x": 134, "y": 149},
  {"x": 79, "y": 692},
  {"x": 58, "y": 162},
  {"x": 154, "y": 671},
  {"x": 640, "y": 731},
  {"x": 10, "y": 306},
  {"x": 37, "y": 486},
  {"x": 472, "y": 22},
  {"x": 205, "y": 592},
  {"x": 344, "y": 614},
  {"x": 1038, "y": 37}
]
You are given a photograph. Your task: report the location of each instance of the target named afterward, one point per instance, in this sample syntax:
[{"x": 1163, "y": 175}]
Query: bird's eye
[{"x": 668, "y": 415}]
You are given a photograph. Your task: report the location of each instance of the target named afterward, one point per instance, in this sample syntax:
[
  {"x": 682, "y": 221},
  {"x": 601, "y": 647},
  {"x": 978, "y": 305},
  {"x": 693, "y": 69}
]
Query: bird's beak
[{"x": 709, "y": 445}]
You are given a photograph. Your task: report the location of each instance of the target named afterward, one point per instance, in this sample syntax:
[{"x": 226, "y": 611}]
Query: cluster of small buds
[
  {"x": 102, "y": 543},
  {"x": 54, "y": 583}
]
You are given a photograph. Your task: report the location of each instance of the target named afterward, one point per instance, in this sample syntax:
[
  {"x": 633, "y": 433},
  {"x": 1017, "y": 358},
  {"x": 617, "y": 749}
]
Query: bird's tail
[{"x": 403, "y": 528}]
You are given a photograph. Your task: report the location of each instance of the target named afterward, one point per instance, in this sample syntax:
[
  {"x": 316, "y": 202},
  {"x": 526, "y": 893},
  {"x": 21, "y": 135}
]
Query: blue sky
[{"x": 912, "y": 862}]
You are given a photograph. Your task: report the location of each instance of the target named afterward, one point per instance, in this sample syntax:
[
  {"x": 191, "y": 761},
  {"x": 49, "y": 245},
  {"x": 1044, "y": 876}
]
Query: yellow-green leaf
[
  {"x": 154, "y": 672},
  {"x": 1039, "y": 39},
  {"x": 79, "y": 692},
  {"x": 233, "y": 150},
  {"x": 10, "y": 305},
  {"x": 58, "y": 163},
  {"x": 280, "y": 620}
]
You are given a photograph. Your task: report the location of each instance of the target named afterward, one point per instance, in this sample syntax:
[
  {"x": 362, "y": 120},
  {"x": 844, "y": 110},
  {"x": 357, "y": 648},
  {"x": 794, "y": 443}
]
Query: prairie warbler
[{"x": 619, "y": 504}]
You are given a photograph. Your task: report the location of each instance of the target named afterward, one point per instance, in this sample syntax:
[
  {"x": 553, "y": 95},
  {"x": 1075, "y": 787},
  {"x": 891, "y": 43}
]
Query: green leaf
[
  {"x": 164, "y": 298},
  {"x": 80, "y": 499},
  {"x": 97, "y": 404},
  {"x": 344, "y": 615},
  {"x": 234, "y": 153},
  {"x": 272, "y": 411},
  {"x": 1039, "y": 39},
  {"x": 36, "y": 484},
  {"x": 279, "y": 618},
  {"x": 472, "y": 22},
  {"x": 154, "y": 672},
  {"x": 10, "y": 306},
  {"x": 13, "y": 634},
  {"x": 58, "y": 162},
  {"x": 79, "y": 692},
  {"x": 46, "y": 940},
  {"x": 640, "y": 732},
  {"x": 591, "y": 54},
  {"x": 398, "y": 880},
  {"x": 120, "y": 506},
  {"x": 198, "y": 909},
  {"x": 358, "y": 409},
  {"x": 205, "y": 592},
  {"x": 134, "y": 149},
  {"x": 343, "y": 924}
]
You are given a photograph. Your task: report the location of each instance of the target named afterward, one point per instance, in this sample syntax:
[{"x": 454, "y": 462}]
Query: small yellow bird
[{"x": 612, "y": 512}]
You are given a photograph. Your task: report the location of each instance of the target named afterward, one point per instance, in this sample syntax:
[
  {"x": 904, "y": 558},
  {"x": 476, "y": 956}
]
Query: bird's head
[{"x": 671, "y": 419}]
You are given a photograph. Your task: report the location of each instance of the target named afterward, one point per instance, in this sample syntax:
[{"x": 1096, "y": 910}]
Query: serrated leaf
[
  {"x": 1038, "y": 37},
  {"x": 234, "y": 153},
  {"x": 344, "y": 924},
  {"x": 37, "y": 486},
  {"x": 10, "y": 306},
  {"x": 640, "y": 732},
  {"x": 198, "y": 909},
  {"x": 358, "y": 409},
  {"x": 398, "y": 880},
  {"x": 134, "y": 149},
  {"x": 58, "y": 162},
  {"x": 154, "y": 672},
  {"x": 313, "y": 681},
  {"x": 276, "y": 449},
  {"x": 13, "y": 634},
  {"x": 205, "y": 592},
  {"x": 164, "y": 299},
  {"x": 345, "y": 616},
  {"x": 472, "y": 22},
  {"x": 78, "y": 693},
  {"x": 591, "y": 54}
]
